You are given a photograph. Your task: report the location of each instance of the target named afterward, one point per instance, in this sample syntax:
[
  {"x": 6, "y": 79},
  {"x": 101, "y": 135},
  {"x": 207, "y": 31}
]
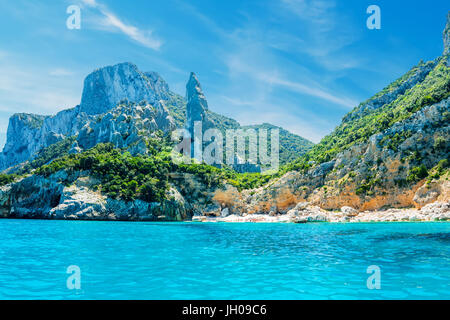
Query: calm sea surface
[{"x": 128, "y": 260}]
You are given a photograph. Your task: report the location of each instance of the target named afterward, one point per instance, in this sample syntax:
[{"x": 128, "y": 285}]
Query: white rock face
[
  {"x": 106, "y": 87},
  {"x": 301, "y": 206},
  {"x": 126, "y": 126},
  {"x": 29, "y": 133},
  {"x": 51, "y": 198},
  {"x": 225, "y": 213},
  {"x": 79, "y": 203},
  {"x": 438, "y": 211}
]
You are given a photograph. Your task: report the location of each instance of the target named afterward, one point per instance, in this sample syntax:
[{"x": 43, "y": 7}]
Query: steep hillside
[
  {"x": 390, "y": 151},
  {"x": 291, "y": 145},
  {"x": 424, "y": 85}
]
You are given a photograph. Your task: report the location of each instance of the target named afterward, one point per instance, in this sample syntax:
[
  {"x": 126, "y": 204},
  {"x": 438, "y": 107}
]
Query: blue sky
[{"x": 300, "y": 64}]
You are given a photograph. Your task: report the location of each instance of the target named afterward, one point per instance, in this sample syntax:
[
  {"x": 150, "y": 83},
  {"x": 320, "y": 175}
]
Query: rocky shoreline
[
  {"x": 70, "y": 196},
  {"x": 305, "y": 213}
]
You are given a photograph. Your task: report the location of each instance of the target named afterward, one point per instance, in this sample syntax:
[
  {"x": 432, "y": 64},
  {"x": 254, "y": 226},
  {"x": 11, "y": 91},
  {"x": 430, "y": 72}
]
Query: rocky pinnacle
[
  {"x": 196, "y": 106},
  {"x": 194, "y": 93},
  {"x": 196, "y": 101}
]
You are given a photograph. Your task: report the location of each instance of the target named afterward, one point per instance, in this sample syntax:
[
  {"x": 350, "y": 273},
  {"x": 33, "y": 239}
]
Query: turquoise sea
[{"x": 143, "y": 260}]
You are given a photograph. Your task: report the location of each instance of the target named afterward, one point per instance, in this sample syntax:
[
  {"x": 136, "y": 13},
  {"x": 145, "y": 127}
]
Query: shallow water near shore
[{"x": 145, "y": 260}]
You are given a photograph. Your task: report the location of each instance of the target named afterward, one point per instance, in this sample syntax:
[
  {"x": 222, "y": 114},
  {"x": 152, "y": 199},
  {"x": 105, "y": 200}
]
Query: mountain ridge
[{"x": 104, "y": 89}]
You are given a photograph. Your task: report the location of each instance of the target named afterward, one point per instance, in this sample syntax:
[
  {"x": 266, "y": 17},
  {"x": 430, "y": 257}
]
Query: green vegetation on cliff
[
  {"x": 144, "y": 177},
  {"x": 6, "y": 178},
  {"x": 121, "y": 175},
  {"x": 54, "y": 151},
  {"x": 148, "y": 177},
  {"x": 434, "y": 88},
  {"x": 292, "y": 146}
]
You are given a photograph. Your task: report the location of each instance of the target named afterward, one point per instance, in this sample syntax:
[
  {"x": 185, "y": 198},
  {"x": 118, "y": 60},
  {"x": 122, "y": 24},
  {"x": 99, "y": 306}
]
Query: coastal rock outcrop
[
  {"x": 73, "y": 196},
  {"x": 197, "y": 112},
  {"x": 438, "y": 211}
]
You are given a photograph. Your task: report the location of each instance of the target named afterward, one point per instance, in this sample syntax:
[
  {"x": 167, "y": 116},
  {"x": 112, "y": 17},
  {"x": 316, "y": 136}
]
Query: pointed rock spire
[
  {"x": 196, "y": 102},
  {"x": 196, "y": 108},
  {"x": 194, "y": 93}
]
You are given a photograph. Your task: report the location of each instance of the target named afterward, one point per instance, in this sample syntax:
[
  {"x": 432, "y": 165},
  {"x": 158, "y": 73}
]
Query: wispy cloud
[
  {"x": 240, "y": 64},
  {"x": 112, "y": 22},
  {"x": 312, "y": 91},
  {"x": 61, "y": 72},
  {"x": 35, "y": 90},
  {"x": 310, "y": 126},
  {"x": 315, "y": 11},
  {"x": 248, "y": 49},
  {"x": 323, "y": 29},
  {"x": 211, "y": 25},
  {"x": 32, "y": 90}
]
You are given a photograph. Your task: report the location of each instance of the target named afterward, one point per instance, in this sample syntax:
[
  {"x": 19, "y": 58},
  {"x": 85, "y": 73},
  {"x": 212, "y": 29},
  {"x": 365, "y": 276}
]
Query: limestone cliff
[
  {"x": 70, "y": 196},
  {"x": 367, "y": 176},
  {"x": 106, "y": 87},
  {"x": 104, "y": 90},
  {"x": 126, "y": 126},
  {"x": 29, "y": 133}
]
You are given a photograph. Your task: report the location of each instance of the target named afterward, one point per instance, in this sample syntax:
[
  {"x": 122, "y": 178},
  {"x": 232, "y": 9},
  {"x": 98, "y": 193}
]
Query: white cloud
[
  {"x": 309, "y": 90},
  {"x": 110, "y": 21},
  {"x": 241, "y": 64},
  {"x": 60, "y": 72},
  {"x": 315, "y": 11}
]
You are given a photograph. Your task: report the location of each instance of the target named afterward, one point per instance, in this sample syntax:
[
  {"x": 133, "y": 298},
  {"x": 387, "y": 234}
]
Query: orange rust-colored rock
[{"x": 230, "y": 197}]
